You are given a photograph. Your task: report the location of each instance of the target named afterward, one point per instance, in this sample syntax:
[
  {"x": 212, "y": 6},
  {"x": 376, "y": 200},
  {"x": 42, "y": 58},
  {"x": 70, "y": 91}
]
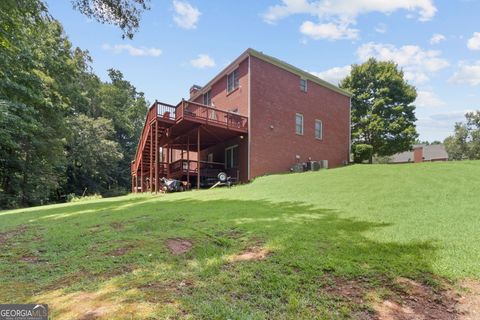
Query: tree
[
  {"x": 125, "y": 14},
  {"x": 465, "y": 142},
  {"x": 93, "y": 155},
  {"x": 48, "y": 96},
  {"x": 35, "y": 65},
  {"x": 383, "y": 114}
]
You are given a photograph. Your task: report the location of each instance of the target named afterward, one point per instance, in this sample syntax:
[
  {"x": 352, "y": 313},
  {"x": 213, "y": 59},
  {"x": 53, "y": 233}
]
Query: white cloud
[
  {"x": 416, "y": 63},
  {"x": 203, "y": 61},
  {"x": 437, "y": 38},
  {"x": 328, "y": 31},
  {"x": 334, "y": 75},
  {"x": 467, "y": 74},
  {"x": 131, "y": 50},
  {"x": 343, "y": 13},
  {"x": 428, "y": 99},
  {"x": 381, "y": 28},
  {"x": 348, "y": 10},
  {"x": 474, "y": 41},
  {"x": 186, "y": 16},
  {"x": 442, "y": 119}
]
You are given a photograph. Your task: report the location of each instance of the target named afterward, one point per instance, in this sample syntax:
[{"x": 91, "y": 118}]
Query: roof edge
[
  {"x": 286, "y": 66},
  {"x": 276, "y": 62}
]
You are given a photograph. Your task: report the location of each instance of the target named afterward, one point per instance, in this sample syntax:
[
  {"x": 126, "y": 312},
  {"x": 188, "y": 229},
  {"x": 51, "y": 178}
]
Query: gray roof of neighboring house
[
  {"x": 430, "y": 152},
  {"x": 434, "y": 151},
  {"x": 406, "y": 156}
]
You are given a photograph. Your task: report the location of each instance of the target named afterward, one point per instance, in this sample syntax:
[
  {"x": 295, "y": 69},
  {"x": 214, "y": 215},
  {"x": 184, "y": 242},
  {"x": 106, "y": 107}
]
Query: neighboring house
[
  {"x": 422, "y": 153},
  {"x": 258, "y": 116}
]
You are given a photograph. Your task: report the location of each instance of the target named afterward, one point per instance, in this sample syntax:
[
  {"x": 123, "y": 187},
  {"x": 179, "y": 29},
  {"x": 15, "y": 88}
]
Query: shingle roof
[
  {"x": 430, "y": 152},
  {"x": 406, "y": 156},
  {"x": 434, "y": 151}
]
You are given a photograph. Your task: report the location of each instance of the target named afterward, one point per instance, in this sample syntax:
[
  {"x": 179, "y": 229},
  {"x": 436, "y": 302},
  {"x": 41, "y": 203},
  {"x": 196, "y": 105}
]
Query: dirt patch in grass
[
  {"x": 350, "y": 293},
  {"x": 469, "y": 300},
  {"x": 30, "y": 259},
  {"x": 118, "y": 226},
  {"x": 413, "y": 300},
  {"x": 251, "y": 254},
  {"x": 178, "y": 246},
  {"x": 404, "y": 299},
  {"x": 9, "y": 234}
]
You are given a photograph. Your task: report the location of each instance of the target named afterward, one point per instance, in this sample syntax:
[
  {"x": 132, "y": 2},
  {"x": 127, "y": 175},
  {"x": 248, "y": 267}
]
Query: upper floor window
[
  {"x": 232, "y": 81},
  {"x": 303, "y": 85},
  {"x": 299, "y": 123},
  {"x": 207, "y": 98},
  {"x": 318, "y": 129}
]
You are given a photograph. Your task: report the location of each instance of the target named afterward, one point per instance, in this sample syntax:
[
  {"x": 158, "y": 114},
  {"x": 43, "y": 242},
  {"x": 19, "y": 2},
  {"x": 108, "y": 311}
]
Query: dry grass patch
[
  {"x": 109, "y": 302},
  {"x": 251, "y": 254},
  {"x": 469, "y": 301},
  {"x": 411, "y": 300}
]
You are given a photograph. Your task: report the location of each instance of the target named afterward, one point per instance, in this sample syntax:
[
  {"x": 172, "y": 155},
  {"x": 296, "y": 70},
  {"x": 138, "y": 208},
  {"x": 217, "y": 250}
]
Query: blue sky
[{"x": 185, "y": 42}]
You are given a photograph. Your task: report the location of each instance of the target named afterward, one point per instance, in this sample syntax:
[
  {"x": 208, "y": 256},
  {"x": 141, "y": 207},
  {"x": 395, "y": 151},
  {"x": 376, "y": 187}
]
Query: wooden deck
[{"x": 173, "y": 127}]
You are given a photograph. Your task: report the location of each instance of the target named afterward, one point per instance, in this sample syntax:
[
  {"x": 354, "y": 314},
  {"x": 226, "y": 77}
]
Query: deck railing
[
  {"x": 196, "y": 111},
  {"x": 166, "y": 111}
]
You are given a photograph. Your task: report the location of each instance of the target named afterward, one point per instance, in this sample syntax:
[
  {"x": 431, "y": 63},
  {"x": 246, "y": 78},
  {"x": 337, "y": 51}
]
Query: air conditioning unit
[
  {"x": 298, "y": 167},
  {"x": 313, "y": 165},
  {"x": 324, "y": 164}
]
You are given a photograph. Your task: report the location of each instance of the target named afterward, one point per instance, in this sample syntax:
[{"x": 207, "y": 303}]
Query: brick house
[
  {"x": 421, "y": 153},
  {"x": 258, "y": 116}
]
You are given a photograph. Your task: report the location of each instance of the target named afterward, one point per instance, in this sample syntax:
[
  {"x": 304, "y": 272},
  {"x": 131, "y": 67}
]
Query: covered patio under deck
[{"x": 185, "y": 142}]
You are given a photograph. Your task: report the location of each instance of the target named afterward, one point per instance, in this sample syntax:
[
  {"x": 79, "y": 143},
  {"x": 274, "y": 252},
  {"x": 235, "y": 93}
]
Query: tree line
[{"x": 62, "y": 129}]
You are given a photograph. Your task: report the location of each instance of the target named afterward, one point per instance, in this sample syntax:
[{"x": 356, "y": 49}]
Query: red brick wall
[
  {"x": 418, "y": 154},
  {"x": 275, "y": 99},
  {"x": 237, "y": 99}
]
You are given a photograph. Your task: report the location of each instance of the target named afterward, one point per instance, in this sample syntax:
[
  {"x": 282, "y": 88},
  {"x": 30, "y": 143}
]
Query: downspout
[
  {"x": 350, "y": 131},
  {"x": 249, "y": 118}
]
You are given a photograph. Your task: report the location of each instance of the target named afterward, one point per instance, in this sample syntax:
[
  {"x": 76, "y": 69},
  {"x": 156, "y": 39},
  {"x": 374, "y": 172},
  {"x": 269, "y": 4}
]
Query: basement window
[
  {"x": 207, "y": 98},
  {"x": 318, "y": 129},
  {"x": 303, "y": 85},
  {"x": 232, "y": 81},
  {"x": 299, "y": 124}
]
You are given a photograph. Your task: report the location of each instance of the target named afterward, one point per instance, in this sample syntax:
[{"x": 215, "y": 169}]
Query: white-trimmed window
[
  {"x": 232, "y": 81},
  {"x": 299, "y": 123},
  {"x": 303, "y": 85},
  {"x": 318, "y": 129},
  {"x": 207, "y": 98}
]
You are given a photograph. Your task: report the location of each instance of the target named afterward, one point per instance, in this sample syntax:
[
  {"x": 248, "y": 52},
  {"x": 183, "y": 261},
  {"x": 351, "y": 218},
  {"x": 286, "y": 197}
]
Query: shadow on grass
[{"x": 74, "y": 249}]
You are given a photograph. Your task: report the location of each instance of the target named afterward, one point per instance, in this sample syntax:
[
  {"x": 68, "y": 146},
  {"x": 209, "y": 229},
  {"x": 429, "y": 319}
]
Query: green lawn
[{"x": 360, "y": 227}]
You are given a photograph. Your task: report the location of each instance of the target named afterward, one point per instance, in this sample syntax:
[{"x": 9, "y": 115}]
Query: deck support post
[
  {"x": 141, "y": 175},
  {"x": 156, "y": 156},
  {"x": 198, "y": 158},
  {"x": 167, "y": 150},
  {"x": 151, "y": 160},
  {"x": 188, "y": 161}
]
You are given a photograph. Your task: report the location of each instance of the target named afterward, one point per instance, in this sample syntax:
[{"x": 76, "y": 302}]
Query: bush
[{"x": 362, "y": 152}]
